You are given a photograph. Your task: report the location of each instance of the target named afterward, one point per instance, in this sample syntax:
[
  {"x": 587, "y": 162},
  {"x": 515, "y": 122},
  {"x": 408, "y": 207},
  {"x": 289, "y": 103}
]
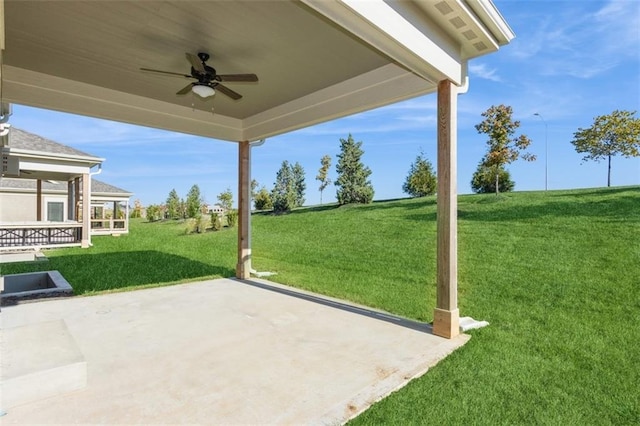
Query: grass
[{"x": 556, "y": 274}]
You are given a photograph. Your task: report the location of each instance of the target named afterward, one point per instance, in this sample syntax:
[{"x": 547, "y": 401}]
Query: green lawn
[{"x": 556, "y": 274}]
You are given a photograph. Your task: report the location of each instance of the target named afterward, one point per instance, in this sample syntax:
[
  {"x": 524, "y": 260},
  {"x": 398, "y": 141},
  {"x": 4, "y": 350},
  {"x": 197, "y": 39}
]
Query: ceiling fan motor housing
[{"x": 206, "y": 77}]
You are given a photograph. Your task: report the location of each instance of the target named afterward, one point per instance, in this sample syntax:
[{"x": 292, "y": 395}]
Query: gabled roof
[
  {"x": 97, "y": 187},
  {"x": 23, "y": 140}
]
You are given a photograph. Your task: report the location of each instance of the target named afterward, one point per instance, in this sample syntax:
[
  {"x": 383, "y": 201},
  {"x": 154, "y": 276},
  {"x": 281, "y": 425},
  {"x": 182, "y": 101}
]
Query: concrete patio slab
[{"x": 214, "y": 352}]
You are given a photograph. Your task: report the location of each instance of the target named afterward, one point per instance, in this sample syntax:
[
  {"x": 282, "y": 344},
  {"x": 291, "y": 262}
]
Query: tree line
[
  {"x": 353, "y": 184},
  {"x": 610, "y": 135},
  {"x": 615, "y": 134}
]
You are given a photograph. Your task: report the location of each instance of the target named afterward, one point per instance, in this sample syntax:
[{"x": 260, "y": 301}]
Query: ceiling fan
[{"x": 207, "y": 80}]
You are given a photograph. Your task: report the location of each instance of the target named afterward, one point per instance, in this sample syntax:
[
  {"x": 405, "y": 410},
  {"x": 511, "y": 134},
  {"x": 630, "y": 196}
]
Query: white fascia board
[
  {"x": 46, "y": 166},
  {"x": 106, "y": 197},
  {"x": 493, "y": 20},
  {"x": 27, "y": 153},
  {"x": 410, "y": 44},
  {"x": 26, "y": 87},
  {"x": 383, "y": 86}
]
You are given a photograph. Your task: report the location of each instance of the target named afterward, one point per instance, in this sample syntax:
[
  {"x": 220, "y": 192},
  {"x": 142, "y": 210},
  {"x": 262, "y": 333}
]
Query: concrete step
[{"x": 28, "y": 375}]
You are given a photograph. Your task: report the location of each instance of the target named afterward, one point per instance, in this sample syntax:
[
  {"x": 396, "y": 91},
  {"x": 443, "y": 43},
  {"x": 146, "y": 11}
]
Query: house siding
[{"x": 16, "y": 207}]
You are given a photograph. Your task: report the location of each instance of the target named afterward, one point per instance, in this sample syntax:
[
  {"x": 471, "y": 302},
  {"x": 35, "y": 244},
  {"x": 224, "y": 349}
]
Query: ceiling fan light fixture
[{"x": 203, "y": 91}]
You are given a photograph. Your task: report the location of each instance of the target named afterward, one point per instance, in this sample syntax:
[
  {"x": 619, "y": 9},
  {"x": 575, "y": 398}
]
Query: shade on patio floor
[{"x": 220, "y": 351}]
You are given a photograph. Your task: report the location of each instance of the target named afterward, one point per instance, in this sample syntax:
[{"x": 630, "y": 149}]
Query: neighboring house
[
  {"x": 217, "y": 208},
  {"x": 18, "y": 201},
  {"x": 42, "y": 195}
]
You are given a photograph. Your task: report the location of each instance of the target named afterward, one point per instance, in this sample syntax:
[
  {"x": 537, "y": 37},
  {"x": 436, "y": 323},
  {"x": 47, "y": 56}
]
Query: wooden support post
[
  {"x": 86, "y": 210},
  {"x": 70, "y": 198},
  {"x": 76, "y": 198},
  {"x": 126, "y": 217},
  {"x": 38, "y": 200},
  {"x": 243, "y": 268},
  {"x": 446, "y": 315}
]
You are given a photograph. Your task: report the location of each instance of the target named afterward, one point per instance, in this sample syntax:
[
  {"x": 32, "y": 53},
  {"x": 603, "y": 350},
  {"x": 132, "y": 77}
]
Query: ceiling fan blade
[
  {"x": 186, "y": 89},
  {"x": 238, "y": 77},
  {"x": 230, "y": 93},
  {"x": 166, "y": 72},
  {"x": 195, "y": 62}
]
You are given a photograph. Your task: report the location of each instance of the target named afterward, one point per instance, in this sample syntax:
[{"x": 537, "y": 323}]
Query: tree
[
  {"x": 610, "y": 135},
  {"x": 325, "y": 162},
  {"x": 226, "y": 199},
  {"x": 421, "y": 180},
  {"x": 254, "y": 187},
  {"x": 352, "y": 183},
  {"x": 183, "y": 208},
  {"x": 262, "y": 200},
  {"x": 194, "y": 200},
  {"x": 173, "y": 205},
  {"x": 484, "y": 179},
  {"x": 299, "y": 185},
  {"x": 283, "y": 195},
  {"x": 137, "y": 210},
  {"x": 153, "y": 213},
  {"x": 502, "y": 146}
]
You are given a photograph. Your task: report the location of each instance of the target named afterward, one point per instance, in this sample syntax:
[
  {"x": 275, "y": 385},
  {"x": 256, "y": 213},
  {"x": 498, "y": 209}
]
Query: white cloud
[{"x": 481, "y": 71}]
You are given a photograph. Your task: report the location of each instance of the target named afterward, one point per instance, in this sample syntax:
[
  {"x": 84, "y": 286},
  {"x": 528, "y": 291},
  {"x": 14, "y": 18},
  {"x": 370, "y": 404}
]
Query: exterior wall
[{"x": 17, "y": 207}]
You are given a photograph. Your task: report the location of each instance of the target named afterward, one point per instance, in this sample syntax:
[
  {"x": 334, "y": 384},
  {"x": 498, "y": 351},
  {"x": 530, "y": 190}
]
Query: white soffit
[{"x": 316, "y": 59}]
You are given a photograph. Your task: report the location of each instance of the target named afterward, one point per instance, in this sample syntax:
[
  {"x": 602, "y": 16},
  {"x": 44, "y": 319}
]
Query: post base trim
[{"x": 446, "y": 323}]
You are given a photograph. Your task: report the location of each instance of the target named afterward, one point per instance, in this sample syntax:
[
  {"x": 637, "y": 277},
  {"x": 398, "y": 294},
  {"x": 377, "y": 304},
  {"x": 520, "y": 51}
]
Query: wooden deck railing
[
  {"x": 109, "y": 226},
  {"x": 44, "y": 234}
]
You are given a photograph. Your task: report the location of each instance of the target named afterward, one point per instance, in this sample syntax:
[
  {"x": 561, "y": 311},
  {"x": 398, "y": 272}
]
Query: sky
[{"x": 570, "y": 62}]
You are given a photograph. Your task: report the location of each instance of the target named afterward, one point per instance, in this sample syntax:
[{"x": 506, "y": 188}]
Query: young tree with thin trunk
[
  {"x": 283, "y": 195},
  {"x": 194, "y": 200},
  {"x": 173, "y": 205},
  {"x": 502, "y": 146},
  {"x": 299, "y": 185},
  {"x": 322, "y": 176},
  {"x": 226, "y": 199},
  {"x": 610, "y": 135},
  {"x": 254, "y": 188}
]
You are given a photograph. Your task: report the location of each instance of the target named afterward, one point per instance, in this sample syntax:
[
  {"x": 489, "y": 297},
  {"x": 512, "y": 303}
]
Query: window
[{"x": 55, "y": 211}]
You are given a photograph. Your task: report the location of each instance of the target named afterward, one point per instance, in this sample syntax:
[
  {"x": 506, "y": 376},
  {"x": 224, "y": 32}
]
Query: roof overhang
[
  {"x": 317, "y": 60},
  {"x": 22, "y": 163}
]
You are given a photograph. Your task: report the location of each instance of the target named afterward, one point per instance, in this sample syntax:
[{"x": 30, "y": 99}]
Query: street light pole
[{"x": 546, "y": 152}]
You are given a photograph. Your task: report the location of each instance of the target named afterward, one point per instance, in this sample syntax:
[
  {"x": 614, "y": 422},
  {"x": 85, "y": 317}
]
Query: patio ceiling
[{"x": 316, "y": 59}]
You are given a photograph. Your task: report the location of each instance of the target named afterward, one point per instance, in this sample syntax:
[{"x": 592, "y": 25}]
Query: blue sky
[{"x": 570, "y": 61}]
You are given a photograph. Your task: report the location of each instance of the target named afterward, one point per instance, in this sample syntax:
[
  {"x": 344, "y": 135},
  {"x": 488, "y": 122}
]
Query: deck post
[
  {"x": 70, "y": 200},
  {"x": 39, "y": 200},
  {"x": 76, "y": 198},
  {"x": 446, "y": 315},
  {"x": 86, "y": 210},
  {"x": 243, "y": 268}
]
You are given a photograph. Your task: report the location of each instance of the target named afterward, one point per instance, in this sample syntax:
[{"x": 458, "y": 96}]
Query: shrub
[
  {"x": 484, "y": 180},
  {"x": 262, "y": 200},
  {"x": 153, "y": 213},
  {"x": 190, "y": 226},
  {"x": 202, "y": 223},
  {"x": 421, "y": 180},
  {"x": 232, "y": 218},
  {"x": 216, "y": 221}
]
